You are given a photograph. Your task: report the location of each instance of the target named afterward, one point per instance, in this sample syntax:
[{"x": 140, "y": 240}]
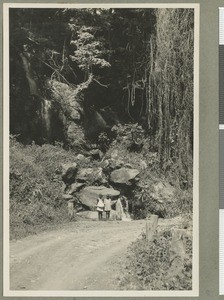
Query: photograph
[{"x": 101, "y": 135}]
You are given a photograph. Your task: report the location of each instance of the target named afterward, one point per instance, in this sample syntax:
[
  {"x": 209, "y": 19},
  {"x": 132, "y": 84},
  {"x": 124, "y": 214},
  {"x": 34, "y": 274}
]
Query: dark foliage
[{"x": 110, "y": 66}]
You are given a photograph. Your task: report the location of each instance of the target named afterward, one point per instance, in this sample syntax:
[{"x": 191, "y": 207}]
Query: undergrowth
[
  {"x": 147, "y": 267},
  {"x": 146, "y": 160},
  {"x": 35, "y": 188}
]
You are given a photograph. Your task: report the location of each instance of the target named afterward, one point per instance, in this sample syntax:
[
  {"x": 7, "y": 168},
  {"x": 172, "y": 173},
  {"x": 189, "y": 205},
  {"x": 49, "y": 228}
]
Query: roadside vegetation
[
  {"x": 148, "y": 266},
  {"x": 35, "y": 190}
]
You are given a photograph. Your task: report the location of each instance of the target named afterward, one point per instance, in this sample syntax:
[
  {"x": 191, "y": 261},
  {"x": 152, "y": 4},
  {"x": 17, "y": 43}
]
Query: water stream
[{"x": 46, "y": 111}]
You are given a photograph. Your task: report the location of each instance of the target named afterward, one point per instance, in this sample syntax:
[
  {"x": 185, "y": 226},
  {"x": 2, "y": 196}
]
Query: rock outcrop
[
  {"x": 69, "y": 172},
  {"x": 91, "y": 176},
  {"x": 124, "y": 175},
  {"x": 83, "y": 185}
]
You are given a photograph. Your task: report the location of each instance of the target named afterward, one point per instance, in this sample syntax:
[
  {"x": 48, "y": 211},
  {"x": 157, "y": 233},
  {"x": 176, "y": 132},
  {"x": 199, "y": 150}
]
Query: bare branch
[
  {"x": 56, "y": 71},
  {"x": 104, "y": 85}
]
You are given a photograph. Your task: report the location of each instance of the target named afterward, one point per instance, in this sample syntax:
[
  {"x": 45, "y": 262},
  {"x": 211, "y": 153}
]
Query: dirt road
[{"x": 84, "y": 255}]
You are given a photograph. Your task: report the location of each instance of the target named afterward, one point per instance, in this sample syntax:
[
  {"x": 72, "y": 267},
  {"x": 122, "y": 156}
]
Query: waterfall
[
  {"x": 43, "y": 107},
  {"x": 28, "y": 72},
  {"x": 121, "y": 214},
  {"x": 125, "y": 216},
  {"x": 46, "y": 112}
]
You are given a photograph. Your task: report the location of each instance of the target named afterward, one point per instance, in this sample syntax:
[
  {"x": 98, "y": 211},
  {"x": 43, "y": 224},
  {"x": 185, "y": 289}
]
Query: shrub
[
  {"x": 36, "y": 186},
  {"x": 147, "y": 266}
]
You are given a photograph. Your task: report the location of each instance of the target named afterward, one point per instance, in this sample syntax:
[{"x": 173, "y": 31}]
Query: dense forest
[
  {"x": 101, "y": 101},
  {"x": 89, "y": 69}
]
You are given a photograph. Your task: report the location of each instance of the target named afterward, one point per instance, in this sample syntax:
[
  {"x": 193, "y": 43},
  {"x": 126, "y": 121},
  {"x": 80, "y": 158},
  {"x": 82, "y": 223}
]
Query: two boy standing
[{"x": 103, "y": 205}]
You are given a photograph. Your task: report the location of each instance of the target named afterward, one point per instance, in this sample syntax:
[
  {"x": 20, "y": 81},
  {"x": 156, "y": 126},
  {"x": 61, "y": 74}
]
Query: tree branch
[
  {"x": 56, "y": 72},
  {"x": 104, "y": 85}
]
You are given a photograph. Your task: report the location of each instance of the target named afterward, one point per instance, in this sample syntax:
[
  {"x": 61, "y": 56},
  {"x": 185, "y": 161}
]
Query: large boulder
[
  {"x": 124, "y": 175},
  {"x": 116, "y": 163},
  {"x": 82, "y": 160},
  {"x": 89, "y": 195},
  {"x": 91, "y": 175},
  {"x": 84, "y": 174},
  {"x": 109, "y": 165},
  {"x": 69, "y": 172}
]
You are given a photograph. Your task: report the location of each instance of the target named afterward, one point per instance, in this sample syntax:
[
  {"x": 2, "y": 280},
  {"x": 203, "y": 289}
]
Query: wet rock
[
  {"x": 124, "y": 175},
  {"x": 69, "y": 172},
  {"x": 89, "y": 195}
]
